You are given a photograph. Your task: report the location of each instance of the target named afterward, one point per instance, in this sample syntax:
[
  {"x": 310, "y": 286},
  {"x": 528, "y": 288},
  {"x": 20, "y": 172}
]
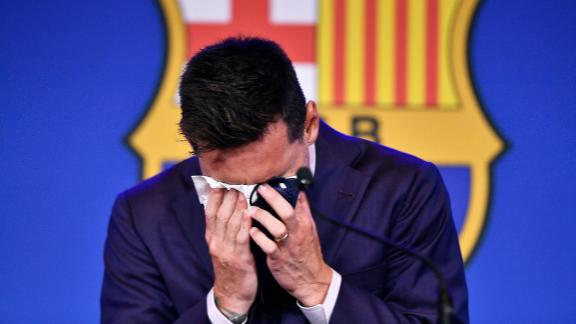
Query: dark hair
[{"x": 231, "y": 91}]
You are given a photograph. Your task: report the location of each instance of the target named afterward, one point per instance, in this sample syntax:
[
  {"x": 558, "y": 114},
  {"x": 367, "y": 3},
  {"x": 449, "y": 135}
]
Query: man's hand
[
  {"x": 296, "y": 260},
  {"x": 227, "y": 234}
]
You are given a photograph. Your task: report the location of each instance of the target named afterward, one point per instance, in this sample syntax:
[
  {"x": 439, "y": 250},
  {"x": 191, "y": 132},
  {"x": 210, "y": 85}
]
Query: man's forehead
[
  {"x": 255, "y": 162},
  {"x": 274, "y": 139},
  {"x": 243, "y": 166},
  {"x": 241, "y": 171}
]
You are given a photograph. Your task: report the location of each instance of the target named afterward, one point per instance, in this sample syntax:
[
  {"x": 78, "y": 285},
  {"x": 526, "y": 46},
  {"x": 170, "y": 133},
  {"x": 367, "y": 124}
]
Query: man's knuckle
[
  {"x": 287, "y": 216},
  {"x": 273, "y": 249},
  {"x": 214, "y": 249},
  {"x": 221, "y": 217},
  {"x": 240, "y": 239},
  {"x": 275, "y": 265},
  {"x": 210, "y": 215}
]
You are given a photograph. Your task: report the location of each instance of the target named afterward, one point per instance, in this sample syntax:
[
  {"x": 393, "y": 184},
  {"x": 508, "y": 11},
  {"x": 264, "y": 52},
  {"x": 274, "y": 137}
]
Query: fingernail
[{"x": 263, "y": 187}]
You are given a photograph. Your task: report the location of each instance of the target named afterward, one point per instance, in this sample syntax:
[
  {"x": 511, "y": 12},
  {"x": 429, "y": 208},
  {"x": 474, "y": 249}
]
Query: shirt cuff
[
  {"x": 214, "y": 314},
  {"x": 321, "y": 313}
]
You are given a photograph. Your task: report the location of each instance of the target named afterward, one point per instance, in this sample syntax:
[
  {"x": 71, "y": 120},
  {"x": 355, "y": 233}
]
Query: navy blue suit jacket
[{"x": 158, "y": 268}]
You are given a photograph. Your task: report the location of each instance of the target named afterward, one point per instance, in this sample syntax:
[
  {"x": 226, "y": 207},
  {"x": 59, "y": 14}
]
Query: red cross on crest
[{"x": 252, "y": 18}]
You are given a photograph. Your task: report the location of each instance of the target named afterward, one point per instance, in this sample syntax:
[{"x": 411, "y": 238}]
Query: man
[{"x": 170, "y": 259}]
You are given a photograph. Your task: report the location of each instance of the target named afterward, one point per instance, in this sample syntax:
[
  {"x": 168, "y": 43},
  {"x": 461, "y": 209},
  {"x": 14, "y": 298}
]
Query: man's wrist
[
  {"x": 239, "y": 304},
  {"x": 232, "y": 316},
  {"x": 321, "y": 314},
  {"x": 316, "y": 293}
]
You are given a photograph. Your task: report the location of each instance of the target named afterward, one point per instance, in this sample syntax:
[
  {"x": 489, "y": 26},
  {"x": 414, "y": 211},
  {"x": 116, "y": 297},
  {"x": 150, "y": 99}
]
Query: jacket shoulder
[
  {"x": 378, "y": 157},
  {"x": 162, "y": 186},
  {"x": 364, "y": 155}
]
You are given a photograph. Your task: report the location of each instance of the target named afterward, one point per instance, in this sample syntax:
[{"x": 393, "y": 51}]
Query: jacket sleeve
[
  {"x": 133, "y": 290},
  {"x": 410, "y": 293}
]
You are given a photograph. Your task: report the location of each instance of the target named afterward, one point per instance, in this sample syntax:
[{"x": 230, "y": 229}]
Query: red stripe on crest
[
  {"x": 401, "y": 51},
  {"x": 432, "y": 11},
  {"x": 250, "y": 18},
  {"x": 339, "y": 51},
  {"x": 370, "y": 53}
]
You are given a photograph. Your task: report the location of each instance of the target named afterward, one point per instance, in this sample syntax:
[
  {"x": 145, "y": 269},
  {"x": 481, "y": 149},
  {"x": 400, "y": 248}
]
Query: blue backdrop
[{"x": 76, "y": 77}]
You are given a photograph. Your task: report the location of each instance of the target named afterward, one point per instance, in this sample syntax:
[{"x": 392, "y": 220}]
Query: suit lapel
[{"x": 338, "y": 188}]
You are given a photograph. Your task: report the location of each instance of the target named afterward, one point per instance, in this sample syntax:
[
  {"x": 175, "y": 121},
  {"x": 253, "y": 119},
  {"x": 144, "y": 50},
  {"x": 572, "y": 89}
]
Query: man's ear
[{"x": 312, "y": 123}]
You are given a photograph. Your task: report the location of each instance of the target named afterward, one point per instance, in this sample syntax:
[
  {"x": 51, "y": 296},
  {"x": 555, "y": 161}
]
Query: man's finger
[
  {"x": 278, "y": 203},
  {"x": 224, "y": 212},
  {"x": 266, "y": 244},
  {"x": 271, "y": 223},
  {"x": 234, "y": 222},
  {"x": 302, "y": 208},
  {"x": 243, "y": 236},
  {"x": 302, "y": 211},
  {"x": 214, "y": 202}
]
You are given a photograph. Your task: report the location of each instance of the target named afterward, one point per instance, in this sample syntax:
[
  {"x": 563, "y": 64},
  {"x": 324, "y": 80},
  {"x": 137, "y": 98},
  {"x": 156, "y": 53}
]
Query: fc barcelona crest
[{"x": 391, "y": 71}]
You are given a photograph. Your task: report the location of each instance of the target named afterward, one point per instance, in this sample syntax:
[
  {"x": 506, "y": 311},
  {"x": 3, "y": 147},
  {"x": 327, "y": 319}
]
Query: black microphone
[{"x": 445, "y": 308}]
